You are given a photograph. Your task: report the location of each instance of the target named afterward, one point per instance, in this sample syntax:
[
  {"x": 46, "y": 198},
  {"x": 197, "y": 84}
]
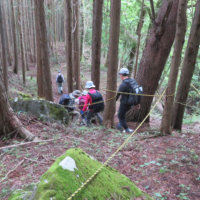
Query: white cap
[{"x": 89, "y": 85}]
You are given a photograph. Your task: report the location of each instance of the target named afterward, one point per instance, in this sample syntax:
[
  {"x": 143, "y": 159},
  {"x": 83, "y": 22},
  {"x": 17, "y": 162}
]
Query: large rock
[
  {"x": 71, "y": 170},
  {"x": 42, "y": 109}
]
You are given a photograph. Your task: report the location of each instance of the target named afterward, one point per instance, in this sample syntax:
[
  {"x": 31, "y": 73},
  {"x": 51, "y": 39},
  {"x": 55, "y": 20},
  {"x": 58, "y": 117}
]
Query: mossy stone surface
[
  {"x": 58, "y": 183},
  {"x": 42, "y": 109}
]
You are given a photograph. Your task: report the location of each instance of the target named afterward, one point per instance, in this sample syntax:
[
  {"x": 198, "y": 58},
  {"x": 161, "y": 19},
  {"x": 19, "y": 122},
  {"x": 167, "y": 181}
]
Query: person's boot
[
  {"x": 119, "y": 127},
  {"x": 128, "y": 130}
]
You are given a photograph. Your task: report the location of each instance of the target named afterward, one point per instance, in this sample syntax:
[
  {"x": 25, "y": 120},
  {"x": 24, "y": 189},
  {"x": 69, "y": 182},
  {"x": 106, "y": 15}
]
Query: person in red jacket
[{"x": 94, "y": 103}]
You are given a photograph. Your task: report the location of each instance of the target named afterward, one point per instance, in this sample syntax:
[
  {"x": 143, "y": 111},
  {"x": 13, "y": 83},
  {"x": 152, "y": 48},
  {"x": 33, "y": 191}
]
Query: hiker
[
  {"x": 81, "y": 105},
  {"x": 96, "y": 103},
  {"x": 127, "y": 101},
  {"x": 68, "y": 102},
  {"x": 59, "y": 81}
]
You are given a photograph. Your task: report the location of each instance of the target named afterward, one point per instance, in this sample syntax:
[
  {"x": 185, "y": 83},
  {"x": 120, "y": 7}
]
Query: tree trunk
[
  {"x": 81, "y": 32},
  {"x": 139, "y": 36},
  {"x": 187, "y": 69},
  {"x": 8, "y": 121},
  {"x": 15, "y": 67},
  {"x": 96, "y": 42},
  {"x": 181, "y": 25},
  {"x": 4, "y": 52},
  {"x": 40, "y": 76},
  {"x": 22, "y": 44},
  {"x": 131, "y": 57},
  {"x": 9, "y": 54},
  {"x": 68, "y": 29},
  {"x": 76, "y": 53},
  {"x": 55, "y": 30},
  {"x": 113, "y": 62},
  {"x": 155, "y": 56},
  {"x": 45, "y": 52}
]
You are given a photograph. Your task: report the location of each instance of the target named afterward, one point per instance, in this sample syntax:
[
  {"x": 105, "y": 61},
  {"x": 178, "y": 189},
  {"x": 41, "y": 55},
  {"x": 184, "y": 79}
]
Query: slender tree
[
  {"x": 40, "y": 76},
  {"x": 15, "y": 67},
  {"x": 139, "y": 36},
  {"x": 8, "y": 120},
  {"x": 22, "y": 44},
  {"x": 76, "y": 51},
  {"x": 187, "y": 69},
  {"x": 96, "y": 42},
  {"x": 155, "y": 56},
  {"x": 81, "y": 31},
  {"x": 4, "y": 52},
  {"x": 68, "y": 31},
  {"x": 45, "y": 52},
  {"x": 181, "y": 25},
  {"x": 113, "y": 62}
]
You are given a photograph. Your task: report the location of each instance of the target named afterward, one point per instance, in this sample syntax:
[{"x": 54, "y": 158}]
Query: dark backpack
[
  {"x": 81, "y": 103},
  {"x": 60, "y": 79},
  {"x": 67, "y": 102},
  {"x": 97, "y": 102},
  {"x": 134, "y": 88}
]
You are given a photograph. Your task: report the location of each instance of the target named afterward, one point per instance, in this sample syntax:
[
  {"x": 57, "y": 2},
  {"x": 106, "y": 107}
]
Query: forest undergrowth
[{"x": 165, "y": 167}]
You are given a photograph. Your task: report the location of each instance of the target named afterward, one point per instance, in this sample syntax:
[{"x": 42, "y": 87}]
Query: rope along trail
[{"x": 73, "y": 195}]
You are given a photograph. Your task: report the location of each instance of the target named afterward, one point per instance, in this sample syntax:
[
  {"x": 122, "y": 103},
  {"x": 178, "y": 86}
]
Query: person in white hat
[
  {"x": 94, "y": 103},
  {"x": 124, "y": 108}
]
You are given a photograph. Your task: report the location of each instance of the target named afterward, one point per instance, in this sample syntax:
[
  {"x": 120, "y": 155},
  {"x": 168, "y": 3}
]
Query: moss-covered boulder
[
  {"x": 42, "y": 109},
  {"x": 72, "y": 169}
]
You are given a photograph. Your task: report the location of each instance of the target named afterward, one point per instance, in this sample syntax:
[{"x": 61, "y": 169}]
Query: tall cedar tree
[
  {"x": 68, "y": 32},
  {"x": 4, "y": 53},
  {"x": 155, "y": 56},
  {"x": 181, "y": 25},
  {"x": 76, "y": 51},
  {"x": 187, "y": 69},
  {"x": 45, "y": 52},
  {"x": 96, "y": 42},
  {"x": 22, "y": 43},
  {"x": 40, "y": 74},
  {"x": 113, "y": 62},
  {"x": 8, "y": 120},
  {"x": 14, "y": 34}
]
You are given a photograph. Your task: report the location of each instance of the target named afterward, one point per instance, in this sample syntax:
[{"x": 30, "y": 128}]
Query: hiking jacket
[
  {"x": 88, "y": 99},
  {"x": 62, "y": 78},
  {"x": 124, "y": 87}
]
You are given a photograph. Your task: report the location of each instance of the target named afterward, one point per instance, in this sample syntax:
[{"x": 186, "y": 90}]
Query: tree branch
[{"x": 153, "y": 12}]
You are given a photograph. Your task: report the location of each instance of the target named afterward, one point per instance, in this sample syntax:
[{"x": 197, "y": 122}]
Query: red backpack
[{"x": 81, "y": 103}]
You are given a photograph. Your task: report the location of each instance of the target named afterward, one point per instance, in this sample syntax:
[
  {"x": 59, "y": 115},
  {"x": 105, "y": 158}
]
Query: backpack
[
  {"x": 60, "y": 79},
  {"x": 134, "y": 88},
  {"x": 81, "y": 103},
  {"x": 67, "y": 101},
  {"x": 97, "y": 102}
]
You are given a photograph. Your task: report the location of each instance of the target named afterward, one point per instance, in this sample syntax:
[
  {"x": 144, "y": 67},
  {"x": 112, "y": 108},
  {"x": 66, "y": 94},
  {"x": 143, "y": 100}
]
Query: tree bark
[
  {"x": 8, "y": 47},
  {"x": 96, "y": 42},
  {"x": 155, "y": 56},
  {"x": 4, "y": 52},
  {"x": 76, "y": 52},
  {"x": 45, "y": 52},
  {"x": 131, "y": 57},
  {"x": 139, "y": 36},
  {"x": 40, "y": 75},
  {"x": 113, "y": 62},
  {"x": 81, "y": 32},
  {"x": 15, "y": 67},
  {"x": 181, "y": 25},
  {"x": 187, "y": 69},
  {"x": 22, "y": 44},
  {"x": 8, "y": 120},
  {"x": 68, "y": 31}
]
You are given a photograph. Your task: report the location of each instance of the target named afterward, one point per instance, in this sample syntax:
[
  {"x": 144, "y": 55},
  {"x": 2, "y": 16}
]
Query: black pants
[
  {"x": 123, "y": 109},
  {"x": 90, "y": 115}
]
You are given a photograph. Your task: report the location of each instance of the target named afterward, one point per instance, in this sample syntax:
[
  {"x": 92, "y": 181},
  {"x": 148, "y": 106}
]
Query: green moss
[
  {"x": 20, "y": 195},
  {"x": 57, "y": 112},
  {"x": 24, "y": 96},
  {"x": 60, "y": 183}
]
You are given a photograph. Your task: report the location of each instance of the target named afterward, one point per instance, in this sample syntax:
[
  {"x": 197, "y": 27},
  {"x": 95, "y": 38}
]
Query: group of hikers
[{"x": 90, "y": 102}]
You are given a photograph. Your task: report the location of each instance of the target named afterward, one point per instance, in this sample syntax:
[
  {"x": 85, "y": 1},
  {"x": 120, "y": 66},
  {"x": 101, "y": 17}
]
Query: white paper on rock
[{"x": 68, "y": 163}]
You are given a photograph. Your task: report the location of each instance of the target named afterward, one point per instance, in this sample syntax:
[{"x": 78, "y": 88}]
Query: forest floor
[{"x": 165, "y": 167}]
